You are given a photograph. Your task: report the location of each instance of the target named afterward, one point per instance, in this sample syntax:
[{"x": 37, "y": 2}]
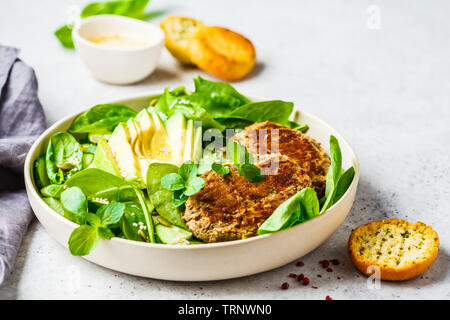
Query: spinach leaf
[
  {"x": 63, "y": 158},
  {"x": 74, "y": 201},
  {"x": 96, "y": 183},
  {"x": 344, "y": 183},
  {"x": 168, "y": 104},
  {"x": 220, "y": 169},
  {"x": 83, "y": 240},
  {"x": 132, "y": 222},
  {"x": 300, "y": 127},
  {"x": 275, "y": 110},
  {"x": 129, "y": 8},
  {"x": 218, "y": 98},
  {"x": 303, "y": 206},
  {"x": 334, "y": 173},
  {"x": 64, "y": 35},
  {"x": 102, "y": 118},
  {"x": 161, "y": 198}
]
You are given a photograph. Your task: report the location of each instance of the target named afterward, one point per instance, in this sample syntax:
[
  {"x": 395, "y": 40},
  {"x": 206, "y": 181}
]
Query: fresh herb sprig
[{"x": 185, "y": 183}]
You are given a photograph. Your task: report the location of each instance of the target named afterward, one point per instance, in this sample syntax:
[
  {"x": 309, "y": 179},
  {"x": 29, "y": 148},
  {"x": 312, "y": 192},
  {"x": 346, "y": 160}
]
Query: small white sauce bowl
[{"x": 118, "y": 65}]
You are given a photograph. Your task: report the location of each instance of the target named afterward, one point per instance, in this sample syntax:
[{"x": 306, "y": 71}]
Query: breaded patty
[
  {"x": 230, "y": 208},
  {"x": 296, "y": 145}
]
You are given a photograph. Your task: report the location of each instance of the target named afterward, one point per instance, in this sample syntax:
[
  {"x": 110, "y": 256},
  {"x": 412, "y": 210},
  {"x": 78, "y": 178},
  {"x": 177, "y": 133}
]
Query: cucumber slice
[
  {"x": 40, "y": 173},
  {"x": 172, "y": 234}
]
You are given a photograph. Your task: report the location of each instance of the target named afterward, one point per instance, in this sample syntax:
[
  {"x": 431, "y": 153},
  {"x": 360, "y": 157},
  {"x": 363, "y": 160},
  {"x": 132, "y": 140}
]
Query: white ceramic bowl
[
  {"x": 201, "y": 262},
  {"x": 118, "y": 65}
]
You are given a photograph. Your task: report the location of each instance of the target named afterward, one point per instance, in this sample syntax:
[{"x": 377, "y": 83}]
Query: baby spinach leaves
[
  {"x": 303, "y": 206},
  {"x": 161, "y": 198},
  {"x": 63, "y": 158},
  {"x": 338, "y": 180},
  {"x": 185, "y": 183},
  {"x": 218, "y": 105},
  {"x": 102, "y": 118},
  {"x": 239, "y": 155},
  {"x": 85, "y": 238},
  {"x": 220, "y": 169},
  {"x": 75, "y": 202},
  {"x": 64, "y": 35}
]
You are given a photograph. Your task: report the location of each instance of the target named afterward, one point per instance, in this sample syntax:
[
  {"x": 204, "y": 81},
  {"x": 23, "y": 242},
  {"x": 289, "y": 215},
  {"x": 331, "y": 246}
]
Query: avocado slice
[
  {"x": 189, "y": 141},
  {"x": 104, "y": 158},
  {"x": 123, "y": 154},
  {"x": 160, "y": 148},
  {"x": 198, "y": 148},
  {"x": 172, "y": 234},
  {"x": 147, "y": 128},
  {"x": 176, "y": 129},
  {"x": 134, "y": 131}
]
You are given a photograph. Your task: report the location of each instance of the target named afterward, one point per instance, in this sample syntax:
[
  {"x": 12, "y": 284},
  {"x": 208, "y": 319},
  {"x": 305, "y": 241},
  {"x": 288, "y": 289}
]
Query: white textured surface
[{"x": 387, "y": 91}]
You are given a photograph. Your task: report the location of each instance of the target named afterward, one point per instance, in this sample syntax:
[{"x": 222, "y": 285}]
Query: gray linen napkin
[{"x": 21, "y": 121}]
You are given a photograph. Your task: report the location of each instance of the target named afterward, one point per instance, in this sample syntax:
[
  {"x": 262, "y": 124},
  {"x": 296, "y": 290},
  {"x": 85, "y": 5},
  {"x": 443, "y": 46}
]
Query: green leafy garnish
[
  {"x": 220, "y": 169},
  {"x": 338, "y": 180},
  {"x": 64, "y": 35},
  {"x": 85, "y": 238},
  {"x": 102, "y": 118},
  {"x": 185, "y": 183},
  {"x": 63, "y": 158}
]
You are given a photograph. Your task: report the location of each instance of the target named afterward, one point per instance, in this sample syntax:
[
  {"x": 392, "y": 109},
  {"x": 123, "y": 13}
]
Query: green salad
[{"x": 121, "y": 173}]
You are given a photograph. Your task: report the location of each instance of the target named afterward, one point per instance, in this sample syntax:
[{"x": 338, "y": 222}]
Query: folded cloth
[{"x": 22, "y": 120}]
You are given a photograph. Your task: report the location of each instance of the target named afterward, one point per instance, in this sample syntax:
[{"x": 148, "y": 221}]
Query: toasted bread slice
[
  {"x": 178, "y": 31},
  {"x": 222, "y": 52},
  {"x": 400, "y": 249}
]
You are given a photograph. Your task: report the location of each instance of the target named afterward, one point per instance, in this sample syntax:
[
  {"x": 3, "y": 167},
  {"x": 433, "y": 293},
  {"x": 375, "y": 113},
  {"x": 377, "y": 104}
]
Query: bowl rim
[
  {"x": 111, "y": 17},
  {"x": 31, "y": 188}
]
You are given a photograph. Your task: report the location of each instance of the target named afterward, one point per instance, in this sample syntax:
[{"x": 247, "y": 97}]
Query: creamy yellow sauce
[{"x": 120, "y": 41}]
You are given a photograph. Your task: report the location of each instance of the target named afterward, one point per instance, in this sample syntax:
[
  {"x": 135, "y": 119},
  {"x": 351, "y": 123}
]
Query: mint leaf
[
  {"x": 172, "y": 182},
  {"x": 188, "y": 170},
  {"x": 220, "y": 169},
  {"x": 194, "y": 185},
  {"x": 93, "y": 220},
  {"x": 83, "y": 240}
]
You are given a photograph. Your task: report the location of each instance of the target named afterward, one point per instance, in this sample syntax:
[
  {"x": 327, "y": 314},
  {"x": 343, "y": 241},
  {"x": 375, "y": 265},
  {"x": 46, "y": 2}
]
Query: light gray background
[{"x": 386, "y": 90}]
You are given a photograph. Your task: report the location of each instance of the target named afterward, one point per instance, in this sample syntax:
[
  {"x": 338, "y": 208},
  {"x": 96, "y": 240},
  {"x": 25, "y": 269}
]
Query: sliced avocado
[
  {"x": 160, "y": 147},
  {"x": 189, "y": 141},
  {"x": 135, "y": 132},
  {"x": 104, "y": 159},
  {"x": 123, "y": 154},
  {"x": 197, "y": 151},
  {"x": 147, "y": 127},
  {"x": 176, "y": 129},
  {"x": 172, "y": 234}
]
